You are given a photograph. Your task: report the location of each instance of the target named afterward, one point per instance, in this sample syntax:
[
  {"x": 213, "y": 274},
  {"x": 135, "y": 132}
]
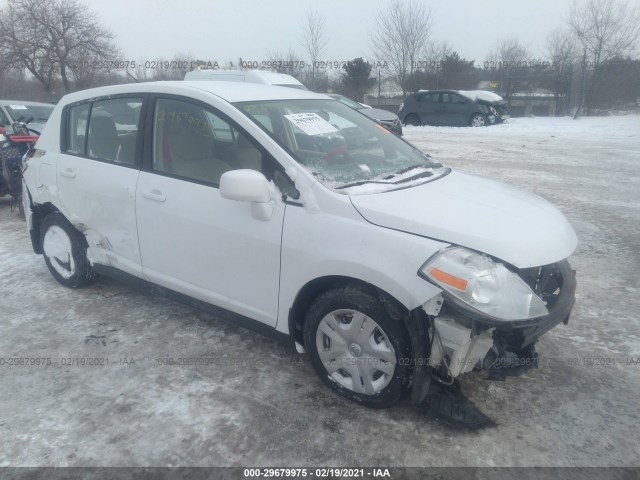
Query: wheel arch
[
  {"x": 474, "y": 113},
  {"x": 39, "y": 212},
  {"x": 415, "y": 115},
  {"x": 310, "y": 291}
]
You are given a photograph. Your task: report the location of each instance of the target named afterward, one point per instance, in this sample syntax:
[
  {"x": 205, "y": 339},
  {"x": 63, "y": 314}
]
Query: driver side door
[{"x": 192, "y": 240}]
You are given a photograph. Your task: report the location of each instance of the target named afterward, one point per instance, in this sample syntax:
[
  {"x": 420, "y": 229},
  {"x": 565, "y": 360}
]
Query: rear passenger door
[
  {"x": 455, "y": 109},
  {"x": 192, "y": 240},
  {"x": 428, "y": 106},
  {"x": 97, "y": 171}
]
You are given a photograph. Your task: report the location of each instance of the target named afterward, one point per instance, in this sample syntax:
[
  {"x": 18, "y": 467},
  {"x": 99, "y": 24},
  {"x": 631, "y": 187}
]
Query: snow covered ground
[{"x": 244, "y": 399}]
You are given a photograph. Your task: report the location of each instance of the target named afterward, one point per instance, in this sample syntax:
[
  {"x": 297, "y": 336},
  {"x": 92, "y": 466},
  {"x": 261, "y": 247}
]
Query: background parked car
[
  {"x": 451, "y": 108},
  {"x": 249, "y": 76},
  {"x": 20, "y": 124},
  {"x": 385, "y": 118},
  {"x": 34, "y": 114}
]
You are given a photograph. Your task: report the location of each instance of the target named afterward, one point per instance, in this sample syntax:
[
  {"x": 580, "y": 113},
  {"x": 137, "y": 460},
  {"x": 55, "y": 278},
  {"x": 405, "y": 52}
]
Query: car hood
[
  {"x": 379, "y": 114},
  {"x": 490, "y": 217}
]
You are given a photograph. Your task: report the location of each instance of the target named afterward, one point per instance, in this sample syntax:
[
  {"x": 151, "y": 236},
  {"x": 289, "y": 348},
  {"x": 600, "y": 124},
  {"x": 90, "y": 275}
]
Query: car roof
[
  {"x": 229, "y": 91},
  {"x": 442, "y": 90}
]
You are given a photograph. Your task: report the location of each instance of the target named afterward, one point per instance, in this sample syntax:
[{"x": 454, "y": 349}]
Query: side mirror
[
  {"x": 248, "y": 186},
  {"x": 245, "y": 186}
]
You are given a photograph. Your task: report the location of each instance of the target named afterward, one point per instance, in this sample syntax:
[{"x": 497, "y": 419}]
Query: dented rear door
[{"x": 96, "y": 175}]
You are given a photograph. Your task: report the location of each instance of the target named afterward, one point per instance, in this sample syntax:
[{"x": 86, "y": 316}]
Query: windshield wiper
[
  {"x": 423, "y": 165},
  {"x": 414, "y": 177},
  {"x": 361, "y": 182}
]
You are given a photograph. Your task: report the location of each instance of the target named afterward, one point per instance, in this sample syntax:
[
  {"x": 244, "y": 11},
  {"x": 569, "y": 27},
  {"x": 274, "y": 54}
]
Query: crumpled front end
[{"x": 463, "y": 340}]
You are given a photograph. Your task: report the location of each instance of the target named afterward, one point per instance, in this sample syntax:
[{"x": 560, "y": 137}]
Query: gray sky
[
  {"x": 228, "y": 29},
  {"x": 225, "y": 30}
]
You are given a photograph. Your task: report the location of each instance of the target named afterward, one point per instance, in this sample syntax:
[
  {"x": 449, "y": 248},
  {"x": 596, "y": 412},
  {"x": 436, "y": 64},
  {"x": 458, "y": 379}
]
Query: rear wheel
[
  {"x": 413, "y": 120},
  {"x": 478, "y": 120},
  {"x": 357, "y": 348},
  {"x": 65, "y": 252}
]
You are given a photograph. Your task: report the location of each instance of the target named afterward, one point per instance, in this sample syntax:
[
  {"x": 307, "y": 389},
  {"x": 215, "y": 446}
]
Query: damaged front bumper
[{"x": 460, "y": 341}]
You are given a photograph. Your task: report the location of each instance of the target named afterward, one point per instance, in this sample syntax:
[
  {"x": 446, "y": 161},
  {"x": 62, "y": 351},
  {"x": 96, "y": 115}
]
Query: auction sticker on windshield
[
  {"x": 18, "y": 107},
  {"x": 311, "y": 123}
]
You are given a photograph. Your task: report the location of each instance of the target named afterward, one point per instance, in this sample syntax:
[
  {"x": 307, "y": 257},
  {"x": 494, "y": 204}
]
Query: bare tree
[
  {"x": 400, "y": 38},
  {"x": 508, "y": 53},
  {"x": 52, "y": 38},
  {"x": 562, "y": 48},
  {"x": 605, "y": 28},
  {"x": 314, "y": 41},
  {"x": 289, "y": 63},
  {"x": 562, "y": 52},
  {"x": 437, "y": 52}
]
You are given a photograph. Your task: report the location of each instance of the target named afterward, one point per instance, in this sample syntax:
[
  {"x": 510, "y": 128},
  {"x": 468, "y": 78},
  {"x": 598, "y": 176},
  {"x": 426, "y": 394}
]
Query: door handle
[
  {"x": 68, "y": 173},
  {"x": 155, "y": 195}
]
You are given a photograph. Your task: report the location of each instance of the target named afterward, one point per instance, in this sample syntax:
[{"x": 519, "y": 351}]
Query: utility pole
[{"x": 584, "y": 85}]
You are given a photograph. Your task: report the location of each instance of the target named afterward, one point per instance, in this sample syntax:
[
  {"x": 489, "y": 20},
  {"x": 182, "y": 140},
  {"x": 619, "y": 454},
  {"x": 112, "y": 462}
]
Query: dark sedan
[{"x": 453, "y": 108}]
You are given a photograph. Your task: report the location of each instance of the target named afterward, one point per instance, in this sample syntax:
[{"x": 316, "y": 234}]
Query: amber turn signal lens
[{"x": 448, "y": 279}]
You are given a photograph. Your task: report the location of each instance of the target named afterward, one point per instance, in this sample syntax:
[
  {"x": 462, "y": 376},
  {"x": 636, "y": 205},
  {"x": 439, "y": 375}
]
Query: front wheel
[
  {"x": 65, "y": 252},
  {"x": 357, "y": 348},
  {"x": 478, "y": 120},
  {"x": 412, "y": 120}
]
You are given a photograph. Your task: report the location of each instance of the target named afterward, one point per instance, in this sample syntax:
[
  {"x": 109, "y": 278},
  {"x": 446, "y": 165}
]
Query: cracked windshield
[{"x": 342, "y": 147}]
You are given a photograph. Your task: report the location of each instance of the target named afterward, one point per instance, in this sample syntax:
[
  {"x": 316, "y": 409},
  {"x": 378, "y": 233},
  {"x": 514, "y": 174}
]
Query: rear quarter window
[
  {"x": 104, "y": 129},
  {"x": 77, "y": 128}
]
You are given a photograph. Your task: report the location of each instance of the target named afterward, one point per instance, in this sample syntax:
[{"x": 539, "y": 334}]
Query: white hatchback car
[{"x": 290, "y": 211}]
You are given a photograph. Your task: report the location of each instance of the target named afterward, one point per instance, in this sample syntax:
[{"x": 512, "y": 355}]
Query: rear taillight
[{"x": 23, "y": 138}]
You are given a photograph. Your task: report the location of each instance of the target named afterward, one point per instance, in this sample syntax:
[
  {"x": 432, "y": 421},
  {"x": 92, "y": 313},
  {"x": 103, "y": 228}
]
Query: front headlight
[{"x": 484, "y": 285}]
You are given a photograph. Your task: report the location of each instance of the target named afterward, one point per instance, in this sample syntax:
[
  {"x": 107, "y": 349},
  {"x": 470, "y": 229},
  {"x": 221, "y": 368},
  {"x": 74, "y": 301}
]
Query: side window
[
  {"x": 429, "y": 98},
  {"x": 446, "y": 98},
  {"x": 456, "y": 98},
  {"x": 113, "y": 130},
  {"x": 197, "y": 144},
  {"x": 77, "y": 128}
]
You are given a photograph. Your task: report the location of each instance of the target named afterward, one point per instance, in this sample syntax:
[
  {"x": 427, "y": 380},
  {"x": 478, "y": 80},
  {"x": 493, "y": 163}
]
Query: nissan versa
[{"x": 287, "y": 210}]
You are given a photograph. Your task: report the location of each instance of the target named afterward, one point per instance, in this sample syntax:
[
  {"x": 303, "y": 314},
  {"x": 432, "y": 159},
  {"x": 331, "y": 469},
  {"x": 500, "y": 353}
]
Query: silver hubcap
[
  {"x": 57, "y": 247},
  {"x": 478, "y": 121},
  {"x": 355, "y": 351}
]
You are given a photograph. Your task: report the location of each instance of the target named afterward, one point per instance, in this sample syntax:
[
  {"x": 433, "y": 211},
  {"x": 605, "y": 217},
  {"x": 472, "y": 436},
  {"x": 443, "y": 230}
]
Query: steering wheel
[{"x": 333, "y": 154}]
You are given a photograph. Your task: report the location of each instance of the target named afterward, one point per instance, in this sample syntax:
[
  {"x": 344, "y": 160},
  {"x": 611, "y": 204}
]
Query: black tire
[
  {"x": 390, "y": 330},
  {"x": 478, "y": 120},
  {"x": 75, "y": 270},
  {"x": 413, "y": 120}
]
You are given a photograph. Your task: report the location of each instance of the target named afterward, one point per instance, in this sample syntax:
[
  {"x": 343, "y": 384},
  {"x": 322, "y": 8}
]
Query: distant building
[{"x": 535, "y": 102}]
